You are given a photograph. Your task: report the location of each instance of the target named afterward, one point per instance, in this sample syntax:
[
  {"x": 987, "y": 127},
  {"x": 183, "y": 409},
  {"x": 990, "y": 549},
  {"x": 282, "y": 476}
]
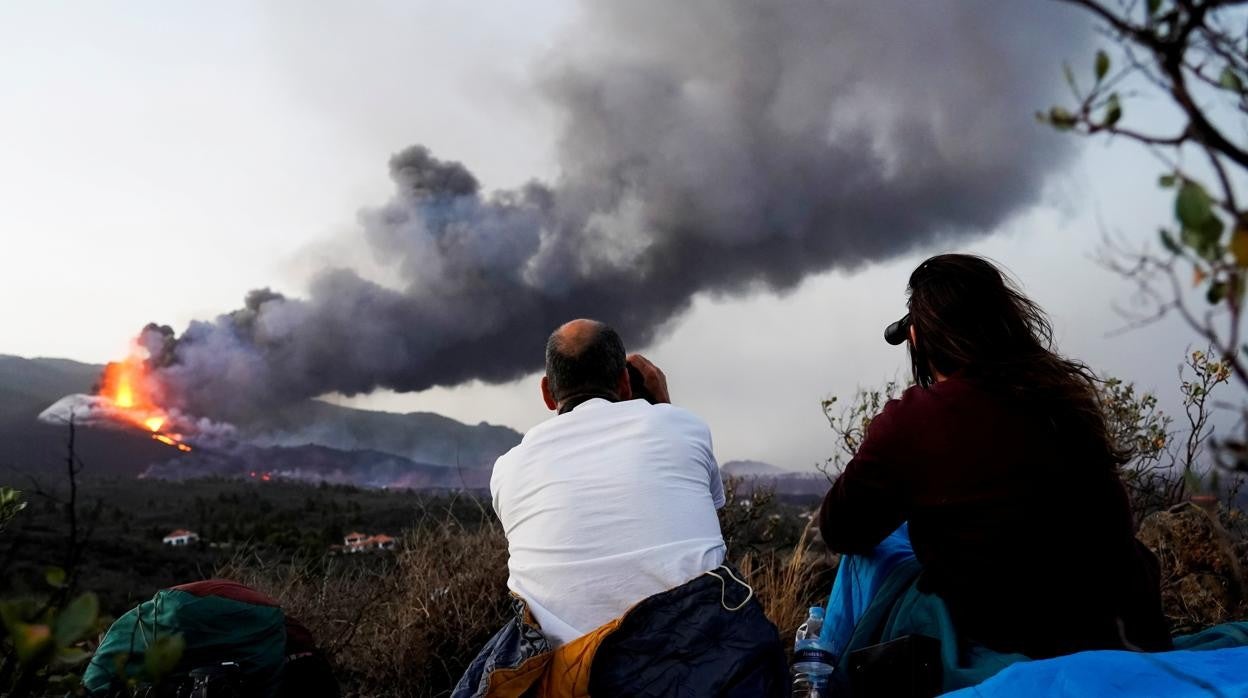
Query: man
[
  {"x": 616, "y": 557},
  {"x": 613, "y": 499}
]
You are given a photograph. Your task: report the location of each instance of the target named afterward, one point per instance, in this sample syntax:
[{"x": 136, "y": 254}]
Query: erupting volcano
[
  {"x": 128, "y": 386},
  {"x": 127, "y": 396}
]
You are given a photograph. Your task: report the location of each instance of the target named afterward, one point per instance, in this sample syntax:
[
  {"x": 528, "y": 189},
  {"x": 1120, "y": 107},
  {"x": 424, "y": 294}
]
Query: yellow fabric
[
  {"x": 567, "y": 676},
  {"x": 514, "y": 683},
  {"x": 563, "y": 673}
]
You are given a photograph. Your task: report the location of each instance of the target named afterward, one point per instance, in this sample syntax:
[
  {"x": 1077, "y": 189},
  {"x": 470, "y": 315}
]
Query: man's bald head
[{"x": 584, "y": 357}]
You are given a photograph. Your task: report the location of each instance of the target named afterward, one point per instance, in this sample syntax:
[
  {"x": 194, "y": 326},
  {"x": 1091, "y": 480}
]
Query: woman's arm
[{"x": 868, "y": 501}]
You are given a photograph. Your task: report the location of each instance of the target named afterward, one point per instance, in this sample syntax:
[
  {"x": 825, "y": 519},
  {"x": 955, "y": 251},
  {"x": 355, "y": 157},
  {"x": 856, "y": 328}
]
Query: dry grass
[
  {"x": 398, "y": 626},
  {"x": 407, "y": 624},
  {"x": 789, "y": 583}
]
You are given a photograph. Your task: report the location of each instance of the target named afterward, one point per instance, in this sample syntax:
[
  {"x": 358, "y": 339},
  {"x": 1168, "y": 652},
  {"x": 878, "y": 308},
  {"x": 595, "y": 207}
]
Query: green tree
[{"x": 1193, "y": 56}]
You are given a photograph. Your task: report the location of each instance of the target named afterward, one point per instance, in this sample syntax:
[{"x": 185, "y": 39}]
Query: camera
[{"x": 638, "y": 385}]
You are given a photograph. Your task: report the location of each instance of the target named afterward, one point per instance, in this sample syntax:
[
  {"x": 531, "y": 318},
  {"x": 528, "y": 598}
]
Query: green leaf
[
  {"x": 162, "y": 656},
  {"x": 1102, "y": 65},
  {"x": 66, "y": 683},
  {"x": 1113, "y": 110},
  {"x": 1153, "y": 6},
  {"x": 16, "y": 611},
  {"x": 32, "y": 641},
  {"x": 1061, "y": 119},
  {"x": 77, "y": 619},
  {"x": 1166, "y": 181},
  {"x": 1168, "y": 242},
  {"x": 11, "y": 504},
  {"x": 1070, "y": 78},
  {"x": 72, "y": 655},
  {"x": 1231, "y": 80},
  {"x": 55, "y": 576},
  {"x": 1192, "y": 239},
  {"x": 1192, "y": 205},
  {"x": 1211, "y": 230},
  {"x": 1204, "y": 238}
]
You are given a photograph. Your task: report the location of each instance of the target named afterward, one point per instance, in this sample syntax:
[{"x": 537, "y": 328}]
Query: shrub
[
  {"x": 397, "y": 625},
  {"x": 1169, "y": 464}
]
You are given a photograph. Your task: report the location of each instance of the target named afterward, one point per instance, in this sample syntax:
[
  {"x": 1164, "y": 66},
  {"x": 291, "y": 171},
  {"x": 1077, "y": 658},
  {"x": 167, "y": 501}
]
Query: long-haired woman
[{"x": 1000, "y": 460}]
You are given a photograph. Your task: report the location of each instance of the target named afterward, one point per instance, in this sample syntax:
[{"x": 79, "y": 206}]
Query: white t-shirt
[{"x": 604, "y": 506}]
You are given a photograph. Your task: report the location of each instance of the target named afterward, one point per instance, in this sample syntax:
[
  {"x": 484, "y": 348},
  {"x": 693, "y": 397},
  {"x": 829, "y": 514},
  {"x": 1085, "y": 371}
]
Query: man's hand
[{"x": 652, "y": 377}]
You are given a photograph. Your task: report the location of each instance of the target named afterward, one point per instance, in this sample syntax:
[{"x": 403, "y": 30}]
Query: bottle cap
[{"x": 816, "y": 611}]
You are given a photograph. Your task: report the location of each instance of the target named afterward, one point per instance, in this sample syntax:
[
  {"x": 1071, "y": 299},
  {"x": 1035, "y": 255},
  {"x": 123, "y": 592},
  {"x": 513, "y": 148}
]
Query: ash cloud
[{"x": 707, "y": 147}]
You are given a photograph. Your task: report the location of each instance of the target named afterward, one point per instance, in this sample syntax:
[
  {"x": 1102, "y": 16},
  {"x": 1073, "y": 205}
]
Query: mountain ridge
[
  {"x": 314, "y": 441},
  {"x": 419, "y": 441}
]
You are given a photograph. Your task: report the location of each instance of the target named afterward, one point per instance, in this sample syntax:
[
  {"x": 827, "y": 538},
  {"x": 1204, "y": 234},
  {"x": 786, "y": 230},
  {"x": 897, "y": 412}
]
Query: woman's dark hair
[{"x": 968, "y": 317}]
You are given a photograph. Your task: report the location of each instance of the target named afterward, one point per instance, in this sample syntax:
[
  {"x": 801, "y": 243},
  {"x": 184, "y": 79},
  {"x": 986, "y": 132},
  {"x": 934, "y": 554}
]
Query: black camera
[{"x": 638, "y": 385}]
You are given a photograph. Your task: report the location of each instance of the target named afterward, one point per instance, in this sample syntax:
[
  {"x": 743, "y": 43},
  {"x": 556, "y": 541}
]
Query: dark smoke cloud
[{"x": 707, "y": 146}]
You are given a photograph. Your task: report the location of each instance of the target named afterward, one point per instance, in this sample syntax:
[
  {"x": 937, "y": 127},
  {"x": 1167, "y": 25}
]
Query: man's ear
[
  {"x": 624, "y": 387},
  {"x": 547, "y": 396}
]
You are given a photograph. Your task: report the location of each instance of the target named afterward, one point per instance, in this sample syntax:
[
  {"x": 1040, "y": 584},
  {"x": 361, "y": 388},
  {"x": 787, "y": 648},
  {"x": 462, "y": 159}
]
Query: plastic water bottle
[{"x": 812, "y": 661}]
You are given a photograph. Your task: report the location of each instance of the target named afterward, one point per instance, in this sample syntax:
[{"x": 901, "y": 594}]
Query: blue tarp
[
  {"x": 858, "y": 582},
  {"x": 1217, "y": 666},
  {"x": 874, "y": 599}
]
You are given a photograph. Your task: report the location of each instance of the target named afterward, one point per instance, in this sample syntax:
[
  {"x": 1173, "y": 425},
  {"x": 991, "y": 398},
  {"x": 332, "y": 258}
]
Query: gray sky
[{"x": 146, "y": 143}]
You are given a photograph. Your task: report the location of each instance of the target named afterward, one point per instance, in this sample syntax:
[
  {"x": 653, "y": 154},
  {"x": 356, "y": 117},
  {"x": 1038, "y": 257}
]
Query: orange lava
[{"x": 126, "y": 384}]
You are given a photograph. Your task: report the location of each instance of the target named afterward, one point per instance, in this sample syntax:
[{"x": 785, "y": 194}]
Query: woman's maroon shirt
[{"x": 1025, "y": 533}]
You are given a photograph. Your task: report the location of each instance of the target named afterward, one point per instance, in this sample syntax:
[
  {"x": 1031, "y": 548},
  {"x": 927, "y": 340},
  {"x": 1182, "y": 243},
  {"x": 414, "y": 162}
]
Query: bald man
[{"x": 612, "y": 500}]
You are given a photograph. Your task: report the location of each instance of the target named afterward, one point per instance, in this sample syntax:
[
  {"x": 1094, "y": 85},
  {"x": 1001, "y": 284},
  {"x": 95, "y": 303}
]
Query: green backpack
[{"x": 219, "y": 623}]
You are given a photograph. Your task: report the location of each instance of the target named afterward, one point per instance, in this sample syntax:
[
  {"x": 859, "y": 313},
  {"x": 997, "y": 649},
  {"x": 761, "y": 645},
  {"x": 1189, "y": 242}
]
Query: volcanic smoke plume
[{"x": 707, "y": 146}]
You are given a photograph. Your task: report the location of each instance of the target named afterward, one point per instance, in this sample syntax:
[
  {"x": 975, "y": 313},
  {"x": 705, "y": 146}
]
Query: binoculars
[{"x": 899, "y": 331}]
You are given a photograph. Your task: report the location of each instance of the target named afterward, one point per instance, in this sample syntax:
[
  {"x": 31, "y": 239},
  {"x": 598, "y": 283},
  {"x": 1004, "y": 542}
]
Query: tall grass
[
  {"x": 788, "y": 583},
  {"x": 401, "y": 625},
  {"x": 407, "y": 624}
]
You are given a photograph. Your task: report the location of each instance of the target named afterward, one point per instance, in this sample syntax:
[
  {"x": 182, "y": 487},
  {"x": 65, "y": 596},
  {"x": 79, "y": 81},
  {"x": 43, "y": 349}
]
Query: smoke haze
[{"x": 706, "y": 147}]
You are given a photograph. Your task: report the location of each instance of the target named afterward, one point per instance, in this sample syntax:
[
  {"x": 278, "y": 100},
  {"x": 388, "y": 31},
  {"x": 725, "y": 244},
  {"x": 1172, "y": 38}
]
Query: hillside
[
  {"x": 317, "y": 464},
  {"x": 751, "y": 468},
  {"x": 314, "y": 441},
  {"x": 419, "y": 436},
  {"x": 29, "y": 446},
  {"x": 420, "y": 448},
  {"x": 755, "y": 474}
]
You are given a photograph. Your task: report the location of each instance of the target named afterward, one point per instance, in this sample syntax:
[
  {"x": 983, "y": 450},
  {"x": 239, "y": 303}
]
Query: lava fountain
[
  {"x": 129, "y": 387},
  {"x": 125, "y": 397}
]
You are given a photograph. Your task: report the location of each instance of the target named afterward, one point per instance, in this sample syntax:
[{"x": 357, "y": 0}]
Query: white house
[
  {"x": 181, "y": 537},
  {"x": 383, "y": 542},
  {"x": 361, "y": 542}
]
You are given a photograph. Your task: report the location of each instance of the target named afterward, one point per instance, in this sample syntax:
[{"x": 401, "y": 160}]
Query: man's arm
[
  {"x": 496, "y": 485},
  {"x": 656, "y": 384},
  {"x": 868, "y": 501},
  {"x": 713, "y": 472}
]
